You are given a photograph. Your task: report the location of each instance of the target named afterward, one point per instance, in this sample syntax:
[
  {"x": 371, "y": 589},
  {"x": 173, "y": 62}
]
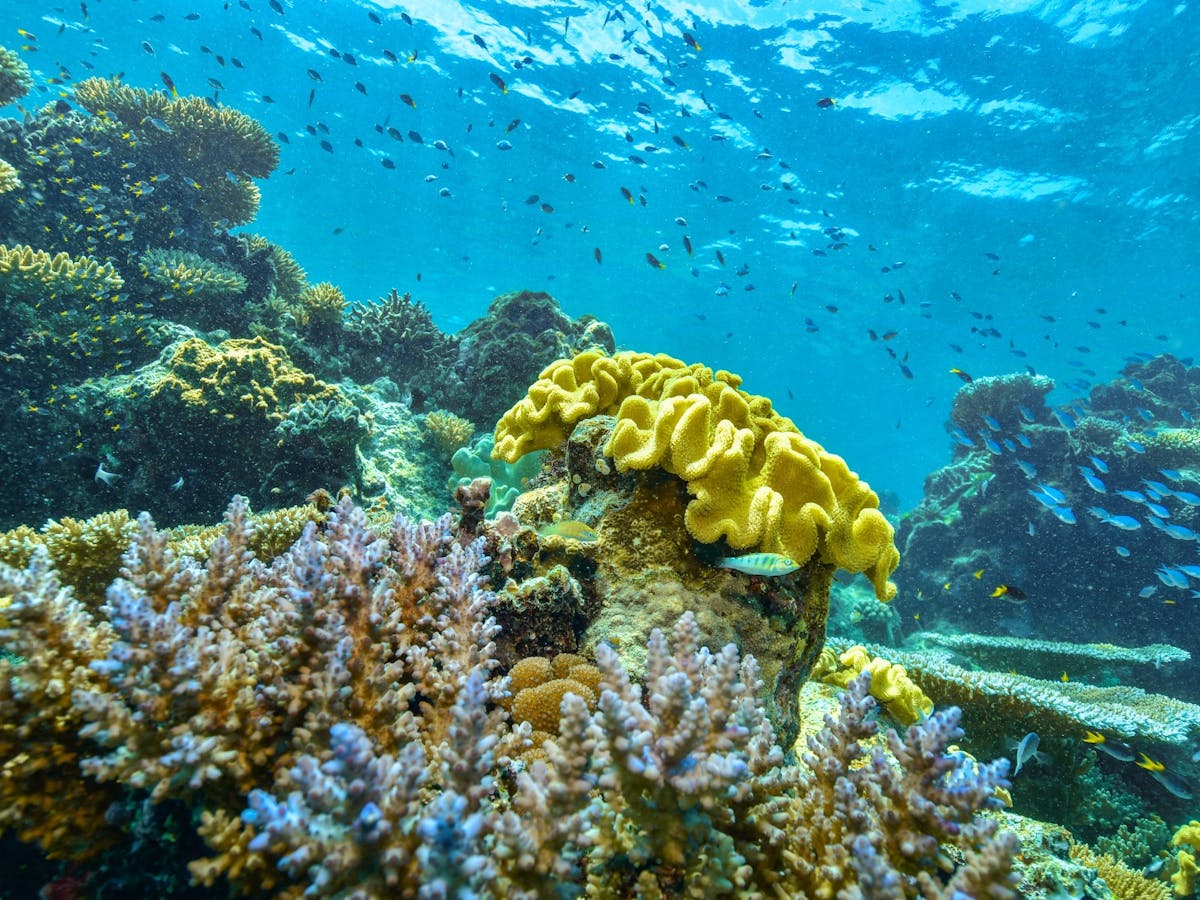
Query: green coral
[
  {"x": 757, "y": 482},
  {"x": 25, "y": 271},
  {"x": 508, "y": 479},
  {"x": 214, "y": 138},
  {"x": 190, "y": 273},
  {"x": 15, "y": 80}
]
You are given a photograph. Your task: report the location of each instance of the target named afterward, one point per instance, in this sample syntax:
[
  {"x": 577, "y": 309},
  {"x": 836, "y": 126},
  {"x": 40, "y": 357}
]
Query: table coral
[
  {"x": 757, "y": 482},
  {"x": 212, "y": 137},
  {"x": 189, "y": 273},
  {"x": 24, "y": 270}
]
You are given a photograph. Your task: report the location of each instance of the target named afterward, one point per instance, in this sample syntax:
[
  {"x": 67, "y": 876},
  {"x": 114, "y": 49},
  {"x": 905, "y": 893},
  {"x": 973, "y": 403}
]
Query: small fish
[
  {"x": 1135, "y": 446},
  {"x": 655, "y": 262},
  {"x": 1168, "y": 779},
  {"x": 991, "y": 421},
  {"x": 1026, "y": 751},
  {"x": 178, "y": 484},
  {"x": 1092, "y": 480},
  {"x": 158, "y": 124},
  {"x": 967, "y": 379},
  {"x": 571, "y": 530},
  {"x": 512, "y": 126},
  {"x": 1028, "y": 468},
  {"x": 1122, "y": 552},
  {"x": 627, "y": 194},
  {"x": 149, "y": 48},
  {"x": 499, "y": 82},
  {"x": 691, "y": 42},
  {"x": 1064, "y": 514},
  {"x": 1187, "y": 497},
  {"x": 1125, "y": 523},
  {"x": 767, "y": 564},
  {"x": 826, "y": 103},
  {"x": 1009, "y": 592},
  {"x": 1118, "y": 750},
  {"x": 167, "y": 80},
  {"x": 104, "y": 475},
  {"x": 1065, "y": 419},
  {"x": 1099, "y": 465},
  {"x": 597, "y": 255}
]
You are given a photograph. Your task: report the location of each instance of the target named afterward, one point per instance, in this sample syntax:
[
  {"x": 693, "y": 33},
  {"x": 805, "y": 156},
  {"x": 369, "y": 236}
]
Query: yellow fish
[
  {"x": 570, "y": 529},
  {"x": 978, "y": 574},
  {"x": 768, "y": 564},
  {"x": 1150, "y": 765}
]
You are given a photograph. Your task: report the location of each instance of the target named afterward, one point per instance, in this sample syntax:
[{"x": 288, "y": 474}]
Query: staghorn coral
[
  {"x": 10, "y": 178},
  {"x": 398, "y": 338},
  {"x": 15, "y": 80},
  {"x": 189, "y": 273},
  {"x": 757, "y": 482},
  {"x": 320, "y": 304},
  {"x": 24, "y": 270},
  {"x": 211, "y": 137}
]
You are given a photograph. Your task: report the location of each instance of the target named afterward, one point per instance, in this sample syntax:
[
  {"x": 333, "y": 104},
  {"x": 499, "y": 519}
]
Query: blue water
[{"x": 1059, "y": 138}]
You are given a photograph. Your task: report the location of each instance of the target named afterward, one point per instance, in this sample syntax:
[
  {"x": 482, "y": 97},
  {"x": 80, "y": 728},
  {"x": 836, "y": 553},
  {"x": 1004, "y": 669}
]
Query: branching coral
[
  {"x": 757, "y": 482},
  {"x": 15, "y": 80},
  {"x": 189, "y": 273},
  {"x": 24, "y": 270},
  {"x": 320, "y": 304},
  {"x": 10, "y": 178},
  {"x": 332, "y": 717},
  {"x": 212, "y": 137},
  {"x": 447, "y": 432}
]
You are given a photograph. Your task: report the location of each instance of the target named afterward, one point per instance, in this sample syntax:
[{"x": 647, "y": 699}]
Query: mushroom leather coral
[{"x": 756, "y": 480}]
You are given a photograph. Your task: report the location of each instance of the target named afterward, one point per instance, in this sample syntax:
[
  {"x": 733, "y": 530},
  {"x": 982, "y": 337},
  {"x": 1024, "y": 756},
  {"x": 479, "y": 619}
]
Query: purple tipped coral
[{"x": 331, "y": 717}]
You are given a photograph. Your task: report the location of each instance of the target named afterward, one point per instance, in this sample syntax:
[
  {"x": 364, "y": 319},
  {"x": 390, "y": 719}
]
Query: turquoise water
[{"x": 1036, "y": 161}]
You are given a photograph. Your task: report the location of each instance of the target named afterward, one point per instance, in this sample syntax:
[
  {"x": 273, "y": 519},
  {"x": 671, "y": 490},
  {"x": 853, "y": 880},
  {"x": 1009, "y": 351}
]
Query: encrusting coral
[
  {"x": 757, "y": 482},
  {"x": 332, "y": 719}
]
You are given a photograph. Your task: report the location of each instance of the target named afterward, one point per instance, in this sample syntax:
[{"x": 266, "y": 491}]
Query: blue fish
[
  {"x": 1171, "y": 577},
  {"x": 1065, "y": 419},
  {"x": 1123, "y": 552},
  {"x": 1179, "y": 532},
  {"x": 1044, "y": 499},
  {"x": 1156, "y": 486},
  {"x": 1099, "y": 512},
  {"x": 1064, "y": 514},
  {"x": 1023, "y": 440},
  {"x": 1158, "y": 509},
  {"x": 1187, "y": 416},
  {"x": 1026, "y": 414},
  {"x": 1189, "y": 570},
  {"x": 1092, "y": 481},
  {"x": 1145, "y": 414},
  {"x": 1125, "y": 523},
  {"x": 1009, "y": 445},
  {"x": 1135, "y": 446},
  {"x": 1099, "y": 465},
  {"x": 1187, "y": 497},
  {"x": 960, "y": 437},
  {"x": 1027, "y": 467},
  {"x": 1137, "y": 384},
  {"x": 1172, "y": 474},
  {"x": 1132, "y": 496},
  {"x": 992, "y": 422},
  {"x": 991, "y": 444},
  {"x": 1052, "y": 492},
  {"x": 1148, "y": 591}
]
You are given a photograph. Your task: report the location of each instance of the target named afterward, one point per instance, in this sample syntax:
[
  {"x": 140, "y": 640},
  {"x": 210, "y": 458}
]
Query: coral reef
[
  {"x": 1124, "y": 882},
  {"x": 15, "y": 80},
  {"x": 508, "y": 479},
  {"x": 10, "y": 178},
  {"x": 447, "y": 432},
  {"x": 757, "y": 481},
  {"x": 189, "y": 273},
  {"x": 362, "y": 745},
  {"x": 1054, "y": 502},
  {"x": 397, "y": 338},
  {"x": 500, "y": 354},
  {"x": 214, "y": 139}
]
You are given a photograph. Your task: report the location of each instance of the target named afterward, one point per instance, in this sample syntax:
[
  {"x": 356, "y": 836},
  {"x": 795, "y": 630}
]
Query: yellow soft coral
[
  {"x": 890, "y": 684},
  {"x": 756, "y": 480}
]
